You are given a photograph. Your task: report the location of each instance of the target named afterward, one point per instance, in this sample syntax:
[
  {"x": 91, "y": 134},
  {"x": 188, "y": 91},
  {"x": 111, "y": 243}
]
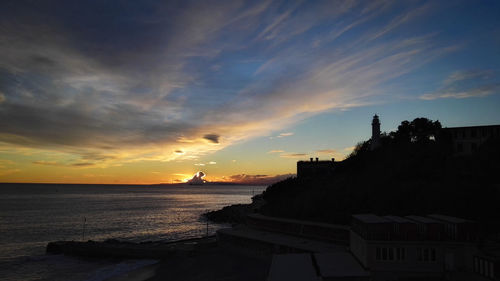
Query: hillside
[{"x": 410, "y": 173}]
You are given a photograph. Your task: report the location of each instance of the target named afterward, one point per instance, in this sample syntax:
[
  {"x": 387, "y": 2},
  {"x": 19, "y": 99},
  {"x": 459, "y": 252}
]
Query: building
[
  {"x": 467, "y": 140},
  {"x": 434, "y": 247},
  {"x": 315, "y": 169}
]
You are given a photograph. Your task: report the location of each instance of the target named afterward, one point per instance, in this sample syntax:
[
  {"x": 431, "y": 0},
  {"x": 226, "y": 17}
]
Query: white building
[{"x": 435, "y": 247}]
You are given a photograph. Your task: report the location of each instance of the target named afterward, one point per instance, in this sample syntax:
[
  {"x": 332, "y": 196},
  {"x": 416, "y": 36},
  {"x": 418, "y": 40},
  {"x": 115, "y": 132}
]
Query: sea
[{"x": 32, "y": 215}]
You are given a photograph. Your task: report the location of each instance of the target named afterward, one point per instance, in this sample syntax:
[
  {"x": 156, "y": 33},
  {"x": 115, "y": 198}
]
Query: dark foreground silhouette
[{"x": 414, "y": 170}]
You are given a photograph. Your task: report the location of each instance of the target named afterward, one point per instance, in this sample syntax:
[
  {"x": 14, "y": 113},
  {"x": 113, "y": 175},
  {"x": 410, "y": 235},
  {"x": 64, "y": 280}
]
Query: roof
[
  {"x": 423, "y": 219},
  {"x": 339, "y": 265},
  {"x": 299, "y": 243},
  {"x": 471, "y": 127},
  {"x": 399, "y": 219},
  {"x": 292, "y": 267},
  {"x": 309, "y": 223},
  {"x": 449, "y": 219},
  {"x": 371, "y": 218}
]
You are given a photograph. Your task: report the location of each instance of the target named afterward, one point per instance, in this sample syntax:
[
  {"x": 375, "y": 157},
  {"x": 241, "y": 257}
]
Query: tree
[{"x": 419, "y": 130}]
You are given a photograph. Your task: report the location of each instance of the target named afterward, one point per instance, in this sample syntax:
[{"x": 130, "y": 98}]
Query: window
[
  {"x": 390, "y": 254},
  {"x": 492, "y": 270},
  {"x": 473, "y": 146},
  {"x": 400, "y": 254},
  {"x": 460, "y": 147},
  {"x": 426, "y": 254},
  {"x": 484, "y": 267}
]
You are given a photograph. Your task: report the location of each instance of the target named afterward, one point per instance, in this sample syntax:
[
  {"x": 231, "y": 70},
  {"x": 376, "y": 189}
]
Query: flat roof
[
  {"x": 304, "y": 244},
  {"x": 311, "y": 223},
  {"x": 471, "y": 127},
  {"x": 371, "y": 218},
  {"x": 423, "y": 219},
  {"x": 399, "y": 219},
  {"x": 449, "y": 218},
  {"x": 339, "y": 265},
  {"x": 292, "y": 267}
]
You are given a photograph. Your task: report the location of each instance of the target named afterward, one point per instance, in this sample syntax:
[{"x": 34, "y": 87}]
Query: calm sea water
[{"x": 32, "y": 215}]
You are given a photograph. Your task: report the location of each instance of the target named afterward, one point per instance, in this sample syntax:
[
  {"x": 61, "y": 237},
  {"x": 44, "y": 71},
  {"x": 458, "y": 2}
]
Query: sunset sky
[{"x": 154, "y": 91}]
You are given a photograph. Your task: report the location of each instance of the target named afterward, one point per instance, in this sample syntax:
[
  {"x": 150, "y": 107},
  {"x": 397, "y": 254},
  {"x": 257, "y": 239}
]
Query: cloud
[
  {"x": 212, "y": 163},
  {"x": 212, "y": 138},
  {"x": 326, "y": 151},
  {"x": 466, "y": 84},
  {"x": 9, "y": 171},
  {"x": 198, "y": 178},
  {"x": 282, "y": 135},
  {"x": 258, "y": 179},
  {"x": 82, "y": 164},
  {"x": 276, "y": 151},
  {"x": 57, "y": 164},
  {"x": 111, "y": 97},
  {"x": 47, "y": 163},
  {"x": 293, "y": 155}
]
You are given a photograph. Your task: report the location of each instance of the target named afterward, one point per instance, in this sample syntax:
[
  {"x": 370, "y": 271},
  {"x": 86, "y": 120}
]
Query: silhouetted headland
[{"x": 419, "y": 169}]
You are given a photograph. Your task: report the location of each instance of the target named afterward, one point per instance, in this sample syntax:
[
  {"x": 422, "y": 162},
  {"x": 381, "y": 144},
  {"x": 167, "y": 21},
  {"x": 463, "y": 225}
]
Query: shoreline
[{"x": 112, "y": 248}]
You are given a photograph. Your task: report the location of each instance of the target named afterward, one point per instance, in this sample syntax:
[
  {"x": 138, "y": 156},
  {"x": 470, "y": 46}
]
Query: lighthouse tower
[{"x": 375, "y": 133}]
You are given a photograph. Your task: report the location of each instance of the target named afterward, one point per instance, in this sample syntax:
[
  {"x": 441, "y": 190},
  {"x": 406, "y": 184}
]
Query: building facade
[
  {"x": 315, "y": 169},
  {"x": 434, "y": 247},
  {"x": 467, "y": 140}
]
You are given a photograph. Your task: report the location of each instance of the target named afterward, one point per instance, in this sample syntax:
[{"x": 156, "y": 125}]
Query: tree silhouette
[{"x": 419, "y": 130}]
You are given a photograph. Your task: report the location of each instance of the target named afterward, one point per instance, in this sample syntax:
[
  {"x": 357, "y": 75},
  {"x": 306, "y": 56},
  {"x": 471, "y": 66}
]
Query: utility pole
[
  {"x": 207, "y": 222},
  {"x": 83, "y": 231}
]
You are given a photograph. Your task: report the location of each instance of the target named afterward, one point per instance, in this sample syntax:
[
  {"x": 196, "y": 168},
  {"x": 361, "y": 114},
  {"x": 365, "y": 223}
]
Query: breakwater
[{"x": 119, "y": 249}]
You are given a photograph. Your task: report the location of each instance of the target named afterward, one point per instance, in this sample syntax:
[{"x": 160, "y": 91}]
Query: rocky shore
[
  {"x": 127, "y": 250},
  {"x": 235, "y": 213}
]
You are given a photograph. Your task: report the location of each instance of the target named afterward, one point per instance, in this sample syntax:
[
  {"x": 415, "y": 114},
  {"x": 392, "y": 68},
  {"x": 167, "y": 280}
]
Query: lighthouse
[{"x": 375, "y": 141}]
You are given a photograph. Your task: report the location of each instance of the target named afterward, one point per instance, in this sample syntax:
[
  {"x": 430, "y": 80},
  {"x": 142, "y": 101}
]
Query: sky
[{"x": 144, "y": 92}]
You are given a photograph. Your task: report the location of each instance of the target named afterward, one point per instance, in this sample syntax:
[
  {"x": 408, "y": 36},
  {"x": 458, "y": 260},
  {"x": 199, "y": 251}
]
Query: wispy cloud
[
  {"x": 276, "y": 151},
  {"x": 466, "y": 84},
  {"x": 158, "y": 91},
  {"x": 293, "y": 155},
  {"x": 9, "y": 171},
  {"x": 327, "y": 151},
  {"x": 58, "y": 164}
]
